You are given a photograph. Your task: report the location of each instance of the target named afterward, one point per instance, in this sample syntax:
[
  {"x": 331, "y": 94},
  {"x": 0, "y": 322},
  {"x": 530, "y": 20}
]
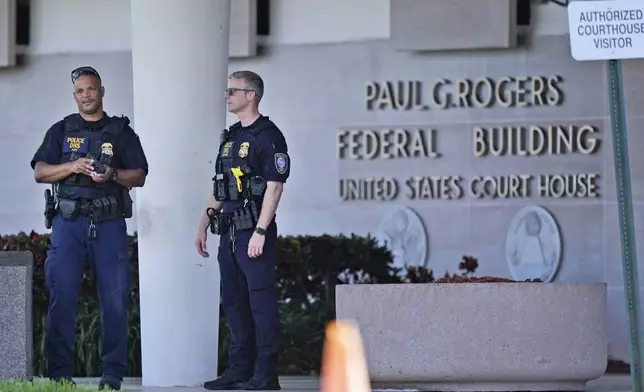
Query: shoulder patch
[{"x": 281, "y": 162}]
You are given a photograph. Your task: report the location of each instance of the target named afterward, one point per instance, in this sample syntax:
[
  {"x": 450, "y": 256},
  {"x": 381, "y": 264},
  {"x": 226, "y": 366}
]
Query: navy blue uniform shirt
[
  {"x": 268, "y": 151},
  {"x": 128, "y": 151}
]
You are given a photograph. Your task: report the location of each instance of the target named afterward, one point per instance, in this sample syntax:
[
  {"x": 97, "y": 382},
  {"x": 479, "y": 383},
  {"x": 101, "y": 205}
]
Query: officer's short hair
[{"x": 253, "y": 80}]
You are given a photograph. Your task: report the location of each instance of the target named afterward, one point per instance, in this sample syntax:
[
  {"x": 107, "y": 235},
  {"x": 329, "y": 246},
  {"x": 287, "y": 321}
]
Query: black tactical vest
[
  {"x": 81, "y": 141},
  {"x": 239, "y": 176}
]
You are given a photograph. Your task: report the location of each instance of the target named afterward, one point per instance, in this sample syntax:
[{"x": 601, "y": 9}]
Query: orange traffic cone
[{"x": 344, "y": 367}]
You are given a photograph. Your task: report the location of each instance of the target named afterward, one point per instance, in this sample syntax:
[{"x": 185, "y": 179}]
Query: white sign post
[{"x": 613, "y": 30}]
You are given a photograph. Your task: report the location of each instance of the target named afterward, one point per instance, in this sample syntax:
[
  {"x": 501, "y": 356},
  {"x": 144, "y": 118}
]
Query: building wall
[
  {"x": 103, "y": 26},
  {"x": 319, "y": 69}
]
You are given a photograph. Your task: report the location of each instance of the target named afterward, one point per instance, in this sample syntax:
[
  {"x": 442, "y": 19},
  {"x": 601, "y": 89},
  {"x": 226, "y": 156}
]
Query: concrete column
[
  {"x": 7, "y": 33},
  {"x": 180, "y": 66}
]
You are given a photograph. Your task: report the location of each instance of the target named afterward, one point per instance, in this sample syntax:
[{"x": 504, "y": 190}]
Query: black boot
[
  {"x": 261, "y": 383},
  {"x": 110, "y": 383},
  {"x": 230, "y": 380}
]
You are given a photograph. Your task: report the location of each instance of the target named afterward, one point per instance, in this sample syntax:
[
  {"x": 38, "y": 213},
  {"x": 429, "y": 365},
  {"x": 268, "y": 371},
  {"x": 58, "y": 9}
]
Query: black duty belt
[
  {"x": 242, "y": 218},
  {"x": 99, "y": 210}
]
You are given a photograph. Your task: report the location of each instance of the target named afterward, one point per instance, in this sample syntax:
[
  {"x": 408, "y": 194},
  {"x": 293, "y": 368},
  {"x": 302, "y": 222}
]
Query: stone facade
[{"x": 332, "y": 100}]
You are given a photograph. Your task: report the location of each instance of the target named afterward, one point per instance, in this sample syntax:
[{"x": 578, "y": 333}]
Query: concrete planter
[{"x": 480, "y": 336}]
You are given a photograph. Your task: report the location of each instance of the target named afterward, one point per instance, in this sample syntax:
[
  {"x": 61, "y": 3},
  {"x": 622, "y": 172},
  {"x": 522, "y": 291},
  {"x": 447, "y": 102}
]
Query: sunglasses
[
  {"x": 84, "y": 71},
  {"x": 233, "y": 90}
]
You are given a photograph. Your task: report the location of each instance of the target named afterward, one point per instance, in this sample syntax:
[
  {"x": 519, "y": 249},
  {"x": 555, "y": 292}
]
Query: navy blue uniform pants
[
  {"x": 107, "y": 254},
  {"x": 249, "y": 299}
]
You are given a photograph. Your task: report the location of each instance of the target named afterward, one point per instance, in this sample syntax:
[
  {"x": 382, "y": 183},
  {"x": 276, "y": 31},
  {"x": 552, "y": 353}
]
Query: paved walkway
[
  {"x": 308, "y": 384},
  {"x": 289, "y": 383}
]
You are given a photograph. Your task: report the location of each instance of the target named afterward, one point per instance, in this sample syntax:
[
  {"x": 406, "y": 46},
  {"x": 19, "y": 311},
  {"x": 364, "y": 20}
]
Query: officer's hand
[
  {"x": 255, "y": 245},
  {"x": 83, "y": 166},
  {"x": 200, "y": 244},
  {"x": 102, "y": 177}
]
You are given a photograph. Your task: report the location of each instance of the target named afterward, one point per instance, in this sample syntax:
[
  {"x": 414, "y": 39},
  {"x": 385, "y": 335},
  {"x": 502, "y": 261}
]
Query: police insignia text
[
  {"x": 75, "y": 143},
  {"x": 227, "y": 147}
]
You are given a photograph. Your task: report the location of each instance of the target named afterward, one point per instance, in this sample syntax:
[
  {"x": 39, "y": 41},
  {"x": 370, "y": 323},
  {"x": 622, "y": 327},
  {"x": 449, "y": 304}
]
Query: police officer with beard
[
  {"x": 92, "y": 160},
  {"x": 251, "y": 169}
]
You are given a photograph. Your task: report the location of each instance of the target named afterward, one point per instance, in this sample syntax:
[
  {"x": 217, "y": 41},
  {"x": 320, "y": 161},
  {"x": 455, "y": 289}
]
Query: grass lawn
[{"x": 41, "y": 386}]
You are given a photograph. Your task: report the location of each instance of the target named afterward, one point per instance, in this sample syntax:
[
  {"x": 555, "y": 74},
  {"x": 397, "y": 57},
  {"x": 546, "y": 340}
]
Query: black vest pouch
[
  {"x": 227, "y": 182},
  {"x": 104, "y": 209},
  {"x": 242, "y": 219},
  {"x": 219, "y": 187},
  {"x": 257, "y": 186},
  {"x": 246, "y": 217},
  {"x": 69, "y": 209}
]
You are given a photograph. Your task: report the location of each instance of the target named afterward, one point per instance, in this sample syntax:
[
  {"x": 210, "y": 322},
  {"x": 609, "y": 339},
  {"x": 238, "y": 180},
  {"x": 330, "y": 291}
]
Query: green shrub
[{"x": 308, "y": 269}]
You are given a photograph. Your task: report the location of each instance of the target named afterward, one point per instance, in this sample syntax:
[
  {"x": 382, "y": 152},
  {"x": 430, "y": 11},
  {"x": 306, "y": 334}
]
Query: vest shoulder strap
[
  {"x": 117, "y": 124},
  {"x": 72, "y": 122},
  {"x": 263, "y": 124},
  {"x": 223, "y": 137}
]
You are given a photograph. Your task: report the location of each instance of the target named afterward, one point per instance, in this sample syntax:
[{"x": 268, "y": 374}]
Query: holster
[
  {"x": 69, "y": 209},
  {"x": 219, "y": 222},
  {"x": 126, "y": 203},
  {"x": 50, "y": 208}
]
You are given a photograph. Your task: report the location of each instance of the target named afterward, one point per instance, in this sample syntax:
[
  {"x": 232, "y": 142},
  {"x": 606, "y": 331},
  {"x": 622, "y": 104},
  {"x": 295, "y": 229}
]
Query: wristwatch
[
  {"x": 115, "y": 175},
  {"x": 260, "y": 231}
]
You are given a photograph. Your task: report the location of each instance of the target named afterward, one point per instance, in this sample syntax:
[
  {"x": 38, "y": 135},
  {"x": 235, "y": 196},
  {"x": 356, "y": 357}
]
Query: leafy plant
[
  {"x": 308, "y": 269},
  {"x": 467, "y": 268}
]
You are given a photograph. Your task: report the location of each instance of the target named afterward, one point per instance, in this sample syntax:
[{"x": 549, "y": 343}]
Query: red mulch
[
  {"x": 482, "y": 279},
  {"x": 618, "y": 367}
]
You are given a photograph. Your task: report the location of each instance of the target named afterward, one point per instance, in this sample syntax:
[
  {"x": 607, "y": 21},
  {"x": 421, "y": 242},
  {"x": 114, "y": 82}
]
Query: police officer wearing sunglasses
[
  {"x": 251, "y": 168},
  {"x": 92, "y": 161}
]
